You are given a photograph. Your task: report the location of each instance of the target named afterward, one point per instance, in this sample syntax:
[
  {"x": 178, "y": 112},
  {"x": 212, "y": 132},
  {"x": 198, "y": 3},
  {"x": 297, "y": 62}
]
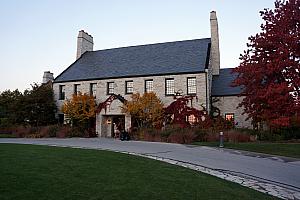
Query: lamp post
[{"x": 221, "y": 145}]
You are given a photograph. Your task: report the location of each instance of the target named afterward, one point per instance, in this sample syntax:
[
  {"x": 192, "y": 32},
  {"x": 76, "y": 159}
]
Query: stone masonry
[
  {"x": 229, "y": 104},
  {"x": 138, "y": 86},
  {"x": 84, "y": 43},
  {"x": 215, "y": 51}
]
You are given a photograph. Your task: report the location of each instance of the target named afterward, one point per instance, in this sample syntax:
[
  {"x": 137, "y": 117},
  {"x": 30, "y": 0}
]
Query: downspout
[{"x": 206, "y": 71}]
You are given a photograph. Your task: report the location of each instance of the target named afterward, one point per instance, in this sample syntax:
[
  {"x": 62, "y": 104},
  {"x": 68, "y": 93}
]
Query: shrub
[
  {"x": 221, "y": 124},
  {"x": 91, "y": 132},
  {"x": 236, "y": 136},
  {"x": 21, "y": 131},
  {"x": 176, "y": 138},
  {"x": 76, "y": 132},
  {"x": 211, "y": 137},
  {"x": 5, "y": 123},
  {"x": 34, "y": 135},
  {"x": 189, "y": 136},
  {"x": 44, "y": 131},
  {"x": 151, "y": 134},
  {"x": 52, "y": 131},
  {"x": 64, "y": 131},
  {"x": 171, "y": 129},
  {"x": 268, "y": 136},
  {"x": 201, "y": 133}
]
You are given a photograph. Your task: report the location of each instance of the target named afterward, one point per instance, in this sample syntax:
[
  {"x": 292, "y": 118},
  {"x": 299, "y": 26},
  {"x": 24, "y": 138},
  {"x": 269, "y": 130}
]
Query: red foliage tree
[
  {"x": 178, "y": 112},
  {"x": 269, "y": 69}
]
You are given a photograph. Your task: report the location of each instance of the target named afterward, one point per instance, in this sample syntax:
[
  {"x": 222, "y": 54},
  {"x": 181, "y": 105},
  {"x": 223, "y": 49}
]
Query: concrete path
[{"x": 277, "y": 171}]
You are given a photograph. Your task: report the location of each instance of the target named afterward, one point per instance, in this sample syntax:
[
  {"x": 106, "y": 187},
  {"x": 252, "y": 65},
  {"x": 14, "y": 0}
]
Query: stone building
[{"x": 190, "y": 67}]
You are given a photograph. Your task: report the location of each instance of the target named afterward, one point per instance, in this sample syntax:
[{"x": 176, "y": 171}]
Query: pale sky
[{"x": 41, "y": 35}]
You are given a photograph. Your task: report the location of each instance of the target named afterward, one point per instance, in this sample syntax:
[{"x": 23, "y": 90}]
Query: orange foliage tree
[
  {"x": 146, "y": 110},
  {"x": 80, "y": 109}
]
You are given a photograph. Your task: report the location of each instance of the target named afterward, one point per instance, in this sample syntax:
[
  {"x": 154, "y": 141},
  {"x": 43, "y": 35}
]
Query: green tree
[
  {"x": 38, "y": 105},
  {"x": 35, "y": 106},
  {"x": 10, "y": 105}
]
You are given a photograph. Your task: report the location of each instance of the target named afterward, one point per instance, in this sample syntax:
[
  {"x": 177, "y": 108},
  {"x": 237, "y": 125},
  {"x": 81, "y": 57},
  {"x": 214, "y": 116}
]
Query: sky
[{"x": 41, "y": 35}]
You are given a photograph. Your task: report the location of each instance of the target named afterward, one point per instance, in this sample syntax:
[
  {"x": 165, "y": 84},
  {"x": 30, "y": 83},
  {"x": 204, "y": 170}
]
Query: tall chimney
[
  {"x": 84, "y": 43},
  {"x": 215, "y": 51},
  {"x": 48, "y": 76}
]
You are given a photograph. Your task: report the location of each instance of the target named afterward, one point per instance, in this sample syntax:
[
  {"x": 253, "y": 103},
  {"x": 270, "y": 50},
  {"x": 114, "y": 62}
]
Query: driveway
[{"x": 281, "y": 171}]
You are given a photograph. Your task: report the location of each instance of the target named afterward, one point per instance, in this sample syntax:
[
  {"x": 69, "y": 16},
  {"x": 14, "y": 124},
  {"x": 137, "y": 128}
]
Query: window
[
  {"x": 192, "y": 119},
  {"x": 191, "y": 85},
  {"x": 128, "y": 87},
  {"x": 93, "y": 89},
  {"x": 229, "y": 116},
  {"x": 110, "y": 87},
  {"x": 149, "y": 85},
  {"x": 61, "y": 118},
  {"x": 76, "y": 89},
  {"x": 169, "y": 85},
  {"x": 61, "y": 92}
]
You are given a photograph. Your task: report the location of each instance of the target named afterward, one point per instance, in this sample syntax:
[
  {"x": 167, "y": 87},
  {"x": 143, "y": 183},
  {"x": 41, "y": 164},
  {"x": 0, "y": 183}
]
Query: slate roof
[
  {"x": 221, "y": 83},
  {"x": 188, "y": 56}
]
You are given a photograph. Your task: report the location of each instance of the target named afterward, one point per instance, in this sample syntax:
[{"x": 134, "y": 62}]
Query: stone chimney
[
  {"x": 215, "y": 51},
  {"x": 84, "y": 43},
  {"x": 48, "y": 76}
]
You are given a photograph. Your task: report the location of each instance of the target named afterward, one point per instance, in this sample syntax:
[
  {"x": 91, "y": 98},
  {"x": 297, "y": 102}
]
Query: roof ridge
[{"x": 159, "y": 43}]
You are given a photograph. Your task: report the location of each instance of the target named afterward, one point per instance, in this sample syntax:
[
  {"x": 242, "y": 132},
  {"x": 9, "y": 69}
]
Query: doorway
[{"x": 118, "y": 125}]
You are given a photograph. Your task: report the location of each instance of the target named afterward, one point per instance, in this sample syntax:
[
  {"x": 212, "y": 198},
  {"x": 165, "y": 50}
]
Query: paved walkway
[{"x": 278, "y": 176}]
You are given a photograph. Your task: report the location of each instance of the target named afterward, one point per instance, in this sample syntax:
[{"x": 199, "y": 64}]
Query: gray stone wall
[
  {"x": 228, "y": 104},
  {"x": 138, "y": 86}
]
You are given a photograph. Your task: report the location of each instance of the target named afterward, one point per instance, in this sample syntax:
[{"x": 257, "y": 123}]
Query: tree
[
  {"x": 35, "y": 106},
  {"x": 146, "y": 110},
  {"x": 10, "y": 108},
  {"x": 38, "y": 105},
  {"x": 269, "y": 69},
  {"x": 80, "y": 109},
  {"x": 178, "y": 112}
]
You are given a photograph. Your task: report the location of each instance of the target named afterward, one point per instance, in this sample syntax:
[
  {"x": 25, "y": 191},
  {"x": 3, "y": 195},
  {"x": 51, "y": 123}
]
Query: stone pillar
[
  {"x": 98, "y": 124},
  {"x": 84, "y": 43},
  {"x": 214, "y": 51},
  {"x": 127, "y": 122}
]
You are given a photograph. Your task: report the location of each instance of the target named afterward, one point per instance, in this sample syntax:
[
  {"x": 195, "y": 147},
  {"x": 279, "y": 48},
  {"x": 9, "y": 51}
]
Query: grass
[
  {"x": 281, "y": 149},
  {"x": 41, "y": 172},
  {"x": 7, "y": 136}
]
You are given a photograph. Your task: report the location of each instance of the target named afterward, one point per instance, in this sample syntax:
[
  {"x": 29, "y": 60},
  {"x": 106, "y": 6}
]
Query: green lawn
[
  {"x": 7, "y": 136},
  {"x": 282, "y": 149},
  {"x": 41, "y": 172}
]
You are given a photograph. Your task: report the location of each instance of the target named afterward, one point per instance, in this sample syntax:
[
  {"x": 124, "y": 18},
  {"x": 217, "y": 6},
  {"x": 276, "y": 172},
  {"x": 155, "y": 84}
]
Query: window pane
[
  {"x": 149, "y": 86},
  {"x": 191, "y": 86},
  {"x": 229, "y": 117},
  {"x": 110, "y": 87},
  {"x": 170, "y": 89},
  {"x": 129, "y": 87},
  {"x": 61, "y": 92},
  {"x": 76, "y": 88},
  {"x": 93, "y": 88}
]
